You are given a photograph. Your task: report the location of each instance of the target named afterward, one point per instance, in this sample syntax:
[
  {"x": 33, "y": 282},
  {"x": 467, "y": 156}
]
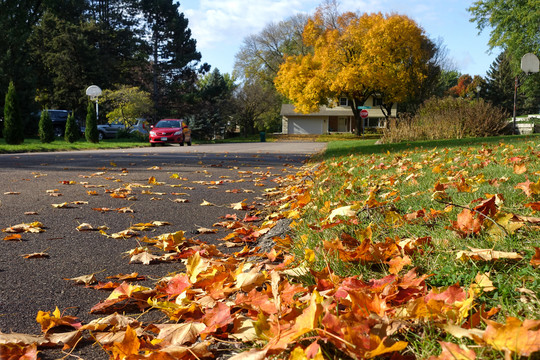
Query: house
[{"x": 337, "y": 119}]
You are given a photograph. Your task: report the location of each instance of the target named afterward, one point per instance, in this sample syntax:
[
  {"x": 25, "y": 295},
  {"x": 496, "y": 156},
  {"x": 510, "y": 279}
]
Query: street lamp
[{"x": 478, "y": 88}]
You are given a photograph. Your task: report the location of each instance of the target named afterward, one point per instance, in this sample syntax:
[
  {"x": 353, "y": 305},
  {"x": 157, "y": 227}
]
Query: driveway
[{"x": 65, "y": 189}]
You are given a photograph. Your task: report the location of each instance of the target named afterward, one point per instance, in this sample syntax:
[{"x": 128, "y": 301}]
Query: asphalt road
[{"x": 30, "y": 183}]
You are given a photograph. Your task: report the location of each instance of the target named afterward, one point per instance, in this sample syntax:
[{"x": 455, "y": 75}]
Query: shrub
[
  {"x": 448, "y": 118},
  {"x": 45, "y": 129},
  {"x": 72, "y": 129},
  {"x": 13, "y": 129},
  {"x": 91, "y": 132}
]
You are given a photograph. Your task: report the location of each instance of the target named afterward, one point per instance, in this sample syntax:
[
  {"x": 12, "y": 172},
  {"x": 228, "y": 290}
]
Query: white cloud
[{"x": 214, "y": 22}]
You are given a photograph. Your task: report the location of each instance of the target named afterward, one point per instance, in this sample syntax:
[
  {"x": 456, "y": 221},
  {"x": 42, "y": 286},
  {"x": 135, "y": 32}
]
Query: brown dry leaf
[
  {"x": 12, "y": 193},
  {"x": 487, "y": 255},
  {"x": 203, "y": 230},
  {"x": 31, "y": 213},
  {"x": 452, "y": 351},
  {"x": 206, "y": 203},
  {"x": 144, "y": 258},
  {"x": 178, "y": 334},
  {"x": 247, "y": 281},
  {"x": 125, "y": 234},
  {"x": 113, "y": 321},
  {"x": 180, "y": 201},
  {"x": 34, "y": 227},
  {"x": 84, "y": 279}
]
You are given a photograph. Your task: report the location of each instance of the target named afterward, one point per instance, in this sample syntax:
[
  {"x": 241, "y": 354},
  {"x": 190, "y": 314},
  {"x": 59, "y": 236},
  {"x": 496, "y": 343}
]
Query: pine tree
[
  {"x": 46, "y": 129},
  {"x": 91, "y": 132},
  {"x": 13, "y": 129},
  {"x": 72, "y": 132},
  {"x": 500, "y": 83}
]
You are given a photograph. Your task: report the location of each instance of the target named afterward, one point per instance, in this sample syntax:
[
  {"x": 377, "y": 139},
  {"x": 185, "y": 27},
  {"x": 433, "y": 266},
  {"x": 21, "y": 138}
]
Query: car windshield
[{"x": 168, "y": 124}]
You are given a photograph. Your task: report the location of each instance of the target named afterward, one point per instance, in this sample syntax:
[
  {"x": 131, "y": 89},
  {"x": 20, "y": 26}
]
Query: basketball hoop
[
  {"x": 529, "y": 64},
  {"x": 93, "y": 91}
]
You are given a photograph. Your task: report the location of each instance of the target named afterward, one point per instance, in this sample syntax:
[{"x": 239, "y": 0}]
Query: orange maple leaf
[
  {"x": 129, "y": 345},
  {"x": 535, "y": 260},
  {"x": 47, "y": 321},
  {"x": 522, "y": 338},
  {"x": 452, "y": 351},
  {"x": 467, "y": 224}
]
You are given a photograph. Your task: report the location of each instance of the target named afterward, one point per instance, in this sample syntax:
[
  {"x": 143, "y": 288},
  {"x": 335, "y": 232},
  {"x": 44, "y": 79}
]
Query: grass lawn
[
  {"x": 460, "y": 216},
  {"x": 35, "y": 145}
]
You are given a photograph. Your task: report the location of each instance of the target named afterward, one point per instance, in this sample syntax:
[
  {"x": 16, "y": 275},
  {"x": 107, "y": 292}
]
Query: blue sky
[{"x": 219, "y": 26}]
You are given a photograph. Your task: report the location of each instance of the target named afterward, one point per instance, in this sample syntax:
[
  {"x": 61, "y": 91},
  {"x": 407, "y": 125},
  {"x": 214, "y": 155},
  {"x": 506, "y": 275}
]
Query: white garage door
[{"x": 305, "y": 126}]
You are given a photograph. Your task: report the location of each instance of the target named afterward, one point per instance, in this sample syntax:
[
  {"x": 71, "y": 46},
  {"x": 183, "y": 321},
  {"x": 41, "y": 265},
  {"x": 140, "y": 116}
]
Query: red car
[{"x": 174, "y": 131}]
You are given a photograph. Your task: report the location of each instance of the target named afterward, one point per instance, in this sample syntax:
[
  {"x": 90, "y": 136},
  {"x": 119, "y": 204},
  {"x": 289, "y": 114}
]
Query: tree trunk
[{"x": 356, "y": 112}]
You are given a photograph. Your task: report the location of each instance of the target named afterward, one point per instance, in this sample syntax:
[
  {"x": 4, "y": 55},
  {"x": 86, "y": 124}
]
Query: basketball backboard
[{"x": 530, "y": 63}]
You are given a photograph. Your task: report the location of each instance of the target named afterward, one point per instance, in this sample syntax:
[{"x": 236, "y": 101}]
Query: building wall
[{"x": 303, "y": 125}]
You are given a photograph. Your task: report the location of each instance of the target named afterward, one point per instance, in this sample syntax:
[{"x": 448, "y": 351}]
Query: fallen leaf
[
  {"x": 178, "y": 334},
  {"x": 85, "y": 227},
  {"x": 452, "y": 351},
  {"x": 84, "y": 279},
  {"x": 36, "y": 255},
  {"x": 487, "y": 255},
  {"x": 14, "y": 237},
  {"x": 535, "y": 260},
  {"x": 203, "y": 230},
  {"x": 522, "y": 338}
]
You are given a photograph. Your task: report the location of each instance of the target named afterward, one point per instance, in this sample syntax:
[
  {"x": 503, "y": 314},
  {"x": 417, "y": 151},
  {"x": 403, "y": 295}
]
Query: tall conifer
[{"x": 13, "y": 129}]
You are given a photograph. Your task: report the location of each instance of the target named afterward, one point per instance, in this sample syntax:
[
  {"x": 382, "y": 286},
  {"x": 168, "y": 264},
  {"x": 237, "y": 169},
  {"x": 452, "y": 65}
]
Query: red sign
[{"x": 364, "y": 113}]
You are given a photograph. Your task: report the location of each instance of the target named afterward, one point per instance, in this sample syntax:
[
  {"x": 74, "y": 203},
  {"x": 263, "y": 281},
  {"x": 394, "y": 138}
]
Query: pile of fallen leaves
[{"x": 258, "y": 303}]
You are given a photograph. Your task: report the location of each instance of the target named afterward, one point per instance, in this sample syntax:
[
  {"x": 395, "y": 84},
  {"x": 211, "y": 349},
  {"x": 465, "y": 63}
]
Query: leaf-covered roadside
[{"x": 413, "y": 254}]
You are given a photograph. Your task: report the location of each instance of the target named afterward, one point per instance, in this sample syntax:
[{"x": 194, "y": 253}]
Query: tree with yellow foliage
[{"x": 356, "y": 56}]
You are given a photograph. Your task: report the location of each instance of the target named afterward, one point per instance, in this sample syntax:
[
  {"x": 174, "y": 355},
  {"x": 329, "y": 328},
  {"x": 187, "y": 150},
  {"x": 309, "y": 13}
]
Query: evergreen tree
[
  {"x": 500, "y": 83},
  {"x": 72, "y": 130},
  {"x": 13, "y": 129},
  {"x": 171, "y": 50},
  {"x": 91, "y": 132},
  {"x": 46, "y": 130}
]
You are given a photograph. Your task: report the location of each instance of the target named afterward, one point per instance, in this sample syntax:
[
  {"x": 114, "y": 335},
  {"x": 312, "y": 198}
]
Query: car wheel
[
  {"x": 58, "y": 132},
  {"x": 182, "y": 143},
  {"x": 189, "y": 143},
  {"x": 152, "y": 144},
  {"x": 101, "y": 136}
]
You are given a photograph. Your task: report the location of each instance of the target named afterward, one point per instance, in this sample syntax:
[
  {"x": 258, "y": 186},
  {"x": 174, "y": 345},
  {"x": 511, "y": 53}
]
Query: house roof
[{"x": 289, "y": 110}]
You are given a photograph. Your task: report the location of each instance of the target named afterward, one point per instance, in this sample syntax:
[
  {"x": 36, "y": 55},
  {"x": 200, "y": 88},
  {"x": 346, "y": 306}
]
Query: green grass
[
  {"x": 35, "y": 145},
  {"x": 401, "y": 179}
]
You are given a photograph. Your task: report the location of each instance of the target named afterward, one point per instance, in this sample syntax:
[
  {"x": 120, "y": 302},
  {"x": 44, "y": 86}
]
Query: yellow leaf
[
  {"x": 195, "y": 265},
  {"x": 346, "y": 211},
  {"x": 206, "y": 203},
  {"x": 309, "y": 255}
]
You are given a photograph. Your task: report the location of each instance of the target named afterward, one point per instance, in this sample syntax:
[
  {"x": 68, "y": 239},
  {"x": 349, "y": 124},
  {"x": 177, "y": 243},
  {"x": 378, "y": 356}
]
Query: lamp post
[{"x": 478, "y": 88}]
